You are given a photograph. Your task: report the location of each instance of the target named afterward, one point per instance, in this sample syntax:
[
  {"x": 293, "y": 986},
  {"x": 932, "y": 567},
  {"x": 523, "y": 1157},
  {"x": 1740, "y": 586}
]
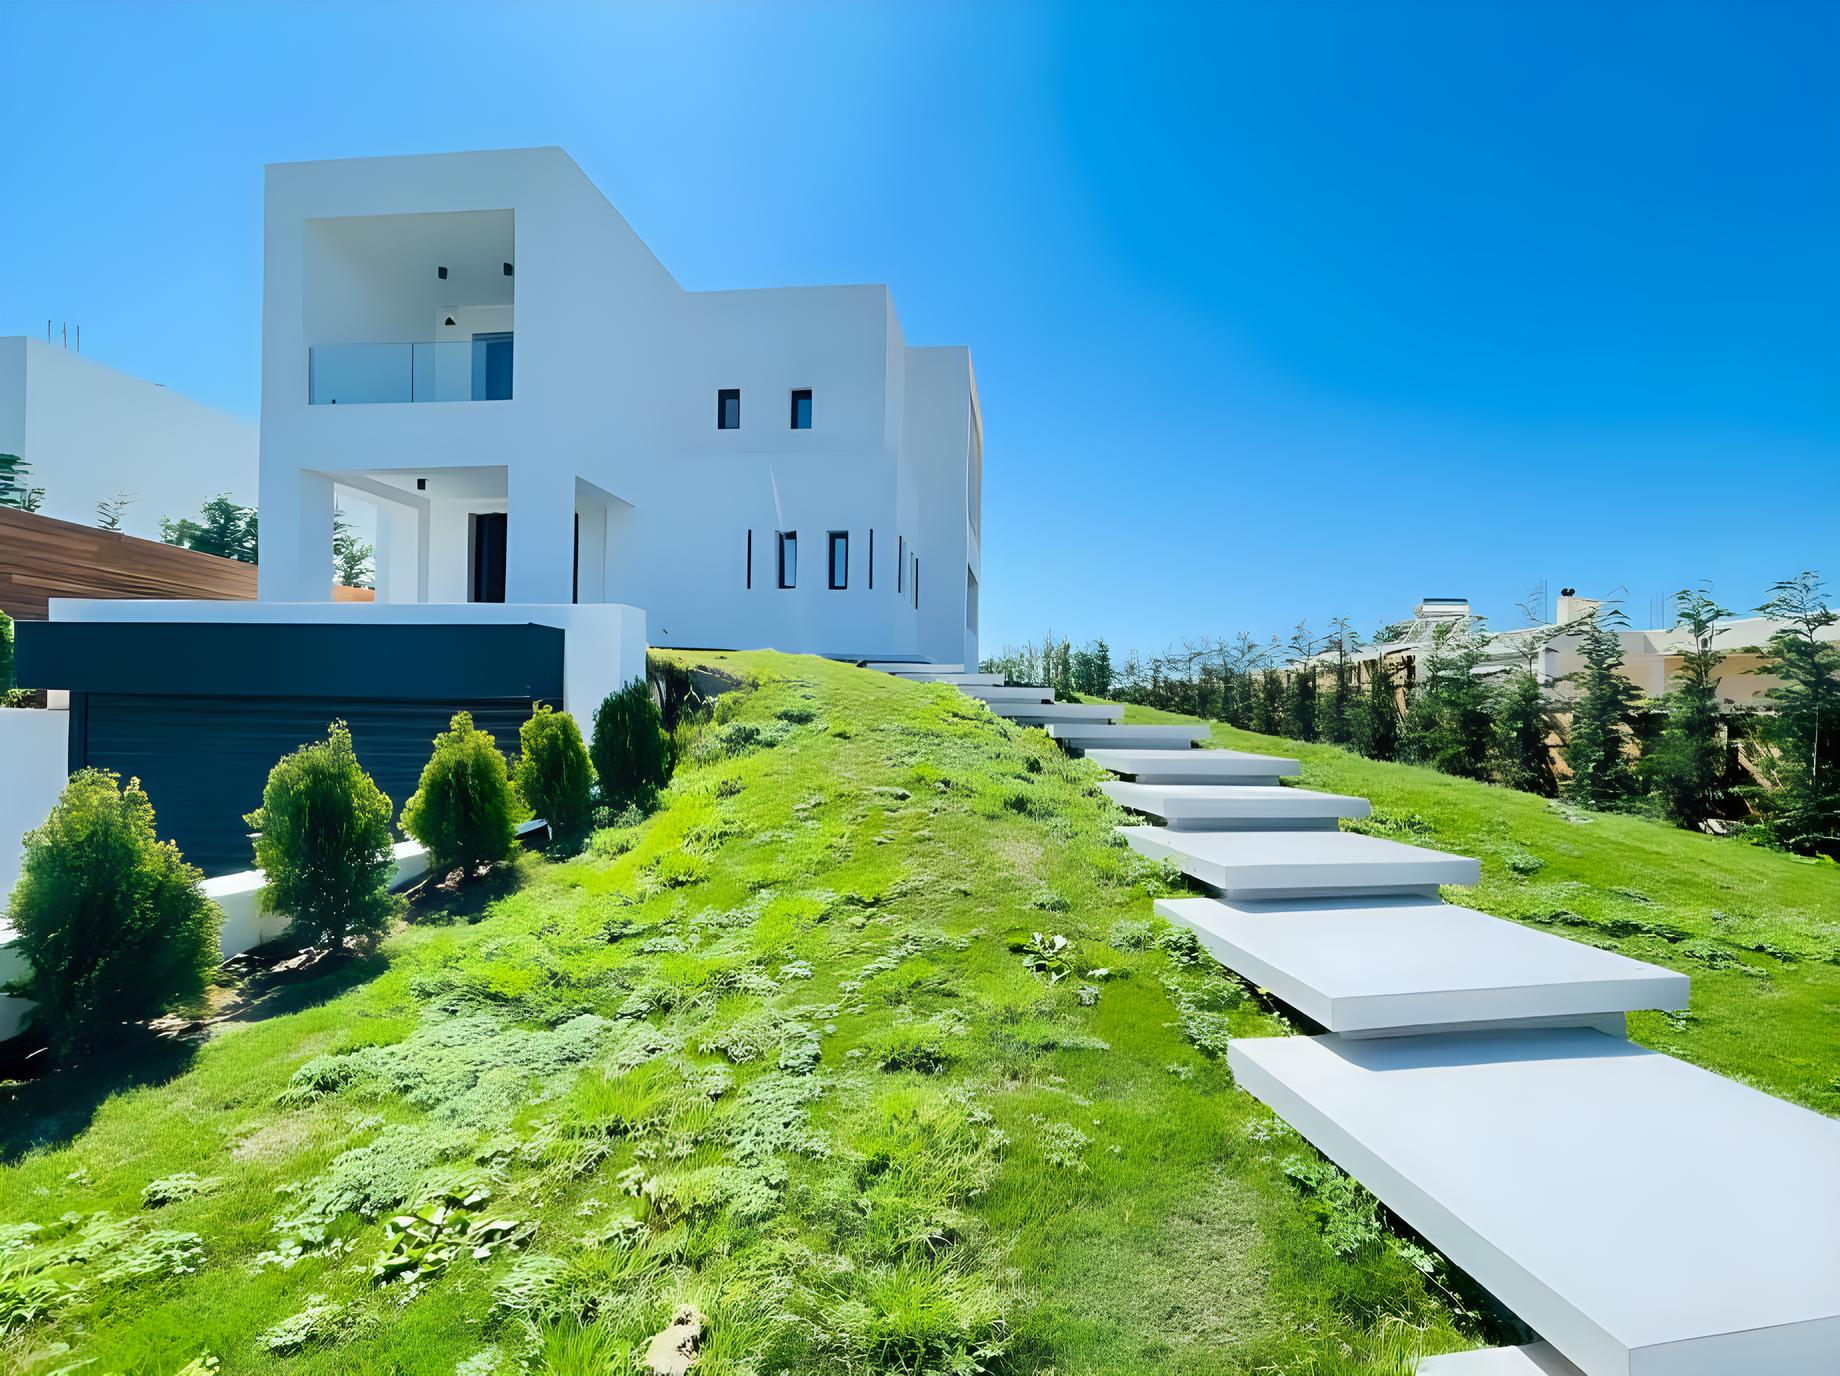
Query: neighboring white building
[
  {"x": 91, "y": 433},
  {"x": 754, "y": 468}
]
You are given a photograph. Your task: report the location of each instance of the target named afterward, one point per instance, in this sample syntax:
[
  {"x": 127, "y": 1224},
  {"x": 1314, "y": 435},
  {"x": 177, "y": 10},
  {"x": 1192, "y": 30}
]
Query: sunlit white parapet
[
  {"x": 1086, "y": 736},
  {"x": 1164, "y": 766},
  {"x": 1230, "y": 807},
  {"x": 1302, "y": 864},
  {"x": 1386, "y": 966},
  {"x": 1643, "y": 1216}
]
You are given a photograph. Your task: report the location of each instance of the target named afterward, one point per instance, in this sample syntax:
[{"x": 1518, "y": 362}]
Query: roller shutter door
[{"x": 204, "y": 760}]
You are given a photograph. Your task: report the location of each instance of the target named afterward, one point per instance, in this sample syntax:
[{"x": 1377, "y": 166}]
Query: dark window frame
[
  {"x": 723, "y": 396},
  {"x": 798, "y": 394},
  {"x": 750, "y": 557},
  {"x": 871, "y": 558},
  {"x": 833, "y": 540},
  {"x": 788, "y": 537}
]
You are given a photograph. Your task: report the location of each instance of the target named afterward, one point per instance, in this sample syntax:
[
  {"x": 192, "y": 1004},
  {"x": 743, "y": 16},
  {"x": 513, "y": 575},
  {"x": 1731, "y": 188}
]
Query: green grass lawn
[
  {"x": 1758, "y": 931},
  {"x": 786, "y": 1051}
]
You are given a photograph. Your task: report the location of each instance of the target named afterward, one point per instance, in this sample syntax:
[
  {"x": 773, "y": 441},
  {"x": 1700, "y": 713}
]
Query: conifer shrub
[
  {"x": 113, "y": 922},
  {"x": 324, "y": 843},
  {"x": 463, "y": 809},
  {"x": 629, "y": 746},
  {"x": 553, "y": 775}
]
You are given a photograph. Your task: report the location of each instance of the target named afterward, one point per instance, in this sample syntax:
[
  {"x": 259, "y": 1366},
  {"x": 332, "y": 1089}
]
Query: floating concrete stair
[
  {"x": 1059, "y": 713},
  {"x": 911, "y": 666},
  {"x": 1082, "y": 736},
  {"x": 1390, "y": 966},
  {"x": 1536, "y": 1359},
  {"x": 953, "y": 677},
  {"x": 1228, "y": 807},
  {"x": 1164, "y": 766},
  {"x": 1257, "y": 865},
  {"x": 1644, "y": 1216},
  {"x": 994, "y": 693}
]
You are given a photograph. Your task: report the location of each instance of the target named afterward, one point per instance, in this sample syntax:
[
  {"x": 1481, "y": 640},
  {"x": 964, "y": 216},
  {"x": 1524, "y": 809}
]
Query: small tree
[
  {"x": 1801, "y": 811},
  {"x": 16, "y": 490},
  {"x": 553, "y": 775},
  {"x": 463, "y": 809},
  {"x": 1268, "y": 703},
  {"x": 110, "y": 510},
  {"x": 352, "y": 563},
  {"x": 1523, "y": 721},
  {"x": 1684, "y": 766},
  {"x": 324, "y": 844},
  {"x": 1597, "y": 752},
  {"x": 629, "y": 746},
  {"x": 113, "y": 922},
  {"x": 1336, "y": 716}
]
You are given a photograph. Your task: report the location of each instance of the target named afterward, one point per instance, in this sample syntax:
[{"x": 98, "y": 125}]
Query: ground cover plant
[
  {"x": 862, "y": 1052},
  {"x": 1757, "y": 930}
]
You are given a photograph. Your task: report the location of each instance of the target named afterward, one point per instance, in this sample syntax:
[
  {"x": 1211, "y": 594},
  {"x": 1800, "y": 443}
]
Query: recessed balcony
[{"x": 477, "y": 369}]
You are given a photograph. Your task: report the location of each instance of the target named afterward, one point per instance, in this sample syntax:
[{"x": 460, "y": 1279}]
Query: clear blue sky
[{"x": 1278, "y": 310}]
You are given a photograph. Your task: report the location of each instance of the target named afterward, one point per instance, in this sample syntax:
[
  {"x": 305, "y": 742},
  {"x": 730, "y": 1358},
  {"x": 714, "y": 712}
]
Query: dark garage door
[{"x": 204, "y": 760}]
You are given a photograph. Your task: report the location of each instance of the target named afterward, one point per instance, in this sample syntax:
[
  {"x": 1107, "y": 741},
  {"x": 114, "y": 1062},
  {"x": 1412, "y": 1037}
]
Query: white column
[
  {"x": 295, "y": 563},
  {"x": 402, "y": 553},
  {"x": 539, "y": 536}
]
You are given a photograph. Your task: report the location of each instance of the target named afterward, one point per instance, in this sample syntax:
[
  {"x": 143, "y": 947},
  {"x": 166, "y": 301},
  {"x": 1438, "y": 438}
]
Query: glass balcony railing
[{"x": 477, "y": 369}]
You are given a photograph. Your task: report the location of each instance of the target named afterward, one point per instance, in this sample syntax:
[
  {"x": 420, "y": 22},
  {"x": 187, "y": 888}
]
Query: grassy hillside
[
  {"x": 1757, "y": 930},
  {"x": 787, "y": 1052}
]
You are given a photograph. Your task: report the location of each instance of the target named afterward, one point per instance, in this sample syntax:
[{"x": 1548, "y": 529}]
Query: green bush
[
  {"x": 6, "y": 652},
  {"x": 114, "y": 923},
  {"x": 463, "y": 810},
  {"x": 324, "y": 843},
  {"x": 553, "y": 775},
  {"x": 629, "y": 745}
]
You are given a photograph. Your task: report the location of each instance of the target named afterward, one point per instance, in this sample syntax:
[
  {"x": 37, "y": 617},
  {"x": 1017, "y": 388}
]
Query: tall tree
[
  {"x": 1337, "y": 712},
  {"x": 1376, "y": 718},
  {"x": 226, "y": 530},
  {"x": 1523, "y": 723},
  {"x": 1300, "y": 686},
  {"x": 1684, "y": 766},
  {"x": 1448, "y": 723},
  {"x": 1801, "y": 810},
  {"x": 1597, "y": 752},
  {"x": 1268, "y": 703}
]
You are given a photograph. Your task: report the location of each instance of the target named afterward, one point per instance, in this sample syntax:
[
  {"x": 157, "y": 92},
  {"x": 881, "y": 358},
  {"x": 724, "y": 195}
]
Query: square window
[
  {"x": 801, "y": 410},
  {"x": 788, "y": 558},
  {"x": 728, "y": 408},
  {"x": 840, "y": 559}
]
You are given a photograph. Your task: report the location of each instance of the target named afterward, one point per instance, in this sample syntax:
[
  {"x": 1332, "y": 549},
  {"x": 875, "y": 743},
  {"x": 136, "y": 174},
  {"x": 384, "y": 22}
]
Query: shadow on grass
[
  {"x": 48, "y": 1112},
  {"x": 437, "y": 904},
  {"x": 276, "y": 993}
]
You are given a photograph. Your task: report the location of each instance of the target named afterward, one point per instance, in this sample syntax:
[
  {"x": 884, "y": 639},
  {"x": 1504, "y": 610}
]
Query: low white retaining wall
[
  {"x": 246, "y": 925},
  {"x": 34, "y": 763}
]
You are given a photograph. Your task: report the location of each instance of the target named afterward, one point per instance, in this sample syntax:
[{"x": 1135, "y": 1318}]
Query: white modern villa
[{"x": 480, "y": 346}]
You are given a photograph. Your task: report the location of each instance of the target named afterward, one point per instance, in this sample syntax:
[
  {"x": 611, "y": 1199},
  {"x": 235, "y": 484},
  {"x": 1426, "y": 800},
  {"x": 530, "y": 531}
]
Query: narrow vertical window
[
  {"x": 916, "y": 582},
  {"x": 871, "y": 558},
  {"x": 728, "y": 409},
  {"x": 840, "y": 559},
  {"x": 788, "y": 558},
  {"x": 801, "y": 409},
  {"x": 750, "y": 558},
  {"x": 900, "y": 563}
]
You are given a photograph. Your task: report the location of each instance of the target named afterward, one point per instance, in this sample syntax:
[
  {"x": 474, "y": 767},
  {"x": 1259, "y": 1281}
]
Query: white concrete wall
[
  {"x": 90, "y": 432},
  {"x": 247, "y": 924},
  {"x": 34, "y": 764},
  {"x": 615, "y": 381}
]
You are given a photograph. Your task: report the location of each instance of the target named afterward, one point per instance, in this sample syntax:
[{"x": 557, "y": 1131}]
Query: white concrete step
[
  {"x": 1536, "y": 1359},
  {"x": 956, "y": 679},
  {"x": 911, "y": 666},
  {"x": 1006, "y": 692},
  {"x": 1226, "y": 807},
  {"x": 1041, "y": 713},
  {"x": 1195, "y": 766},
  {"x": 1302, "y": 864},
  {"x": 1643, "y": 1216},
  {"x": 1080, "y": 736},
  {"x": 1386, "y": 966}
]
